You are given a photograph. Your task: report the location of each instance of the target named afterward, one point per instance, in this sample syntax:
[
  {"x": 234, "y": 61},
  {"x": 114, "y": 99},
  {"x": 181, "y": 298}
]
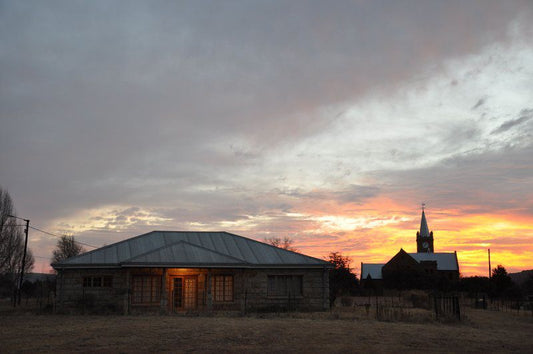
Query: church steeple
[
  {"x": 424, "y": 229},
  {"x": 424, "y": 238}
]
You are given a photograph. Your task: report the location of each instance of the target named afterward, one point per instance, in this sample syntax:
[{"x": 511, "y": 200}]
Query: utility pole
[
  {"x": 24, "y": 258},
  {"x": 490, "y": 270},
  {"x": 21, "y": 279}
]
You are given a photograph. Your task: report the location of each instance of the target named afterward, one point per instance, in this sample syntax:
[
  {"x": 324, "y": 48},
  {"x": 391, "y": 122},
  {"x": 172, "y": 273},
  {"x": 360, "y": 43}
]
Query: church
[{"x": 424, "y": 268}]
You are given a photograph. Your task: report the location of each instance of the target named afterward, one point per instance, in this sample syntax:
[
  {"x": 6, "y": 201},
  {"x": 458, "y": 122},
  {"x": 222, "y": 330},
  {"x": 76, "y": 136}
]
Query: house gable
[
  {"x": 184, "y": 254},
  {"x": 402, "y": 261}
]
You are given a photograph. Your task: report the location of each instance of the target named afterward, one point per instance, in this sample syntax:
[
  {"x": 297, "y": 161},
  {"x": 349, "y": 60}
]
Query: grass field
[{"x": 340, "y": 331}]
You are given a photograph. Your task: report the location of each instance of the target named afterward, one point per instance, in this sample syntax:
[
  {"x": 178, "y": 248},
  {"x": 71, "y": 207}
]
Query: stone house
[{"x": 174, "y": 271}]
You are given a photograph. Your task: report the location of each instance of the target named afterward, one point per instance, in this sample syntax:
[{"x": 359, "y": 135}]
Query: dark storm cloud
[{"x": 488, "y": 182}]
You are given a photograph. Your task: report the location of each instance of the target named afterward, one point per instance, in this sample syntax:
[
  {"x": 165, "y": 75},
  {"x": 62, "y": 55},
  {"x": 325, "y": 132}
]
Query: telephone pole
[{"x": 490, "y": 270}]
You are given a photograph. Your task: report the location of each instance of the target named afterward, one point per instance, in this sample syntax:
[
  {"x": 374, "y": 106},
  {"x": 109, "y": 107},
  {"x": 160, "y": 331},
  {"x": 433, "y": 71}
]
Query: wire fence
[{"x": 408, "y": 305}]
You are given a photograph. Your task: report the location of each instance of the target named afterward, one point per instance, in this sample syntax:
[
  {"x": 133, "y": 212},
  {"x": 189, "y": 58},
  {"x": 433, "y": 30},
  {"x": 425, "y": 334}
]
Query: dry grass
[{"x": 340, "y": 331}]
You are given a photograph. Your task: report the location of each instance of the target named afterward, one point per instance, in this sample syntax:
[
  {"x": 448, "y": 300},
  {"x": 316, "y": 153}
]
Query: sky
[{"x": 326, "y": 122}]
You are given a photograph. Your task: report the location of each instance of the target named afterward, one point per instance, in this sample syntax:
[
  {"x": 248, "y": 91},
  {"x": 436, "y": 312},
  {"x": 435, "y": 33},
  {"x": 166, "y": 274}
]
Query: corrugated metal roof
[
  {"x": 191, "y": 248},
  {"x": 372, "y": 269},
  {"x": 445, "y": 261},
  {"x": 187, "y": 253}
]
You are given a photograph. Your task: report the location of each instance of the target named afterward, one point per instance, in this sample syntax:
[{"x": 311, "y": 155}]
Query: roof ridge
[
  {"x": 217, "y": 252},
  {"x": 151, "y": 251},
  {"x": 184, "y": 231}
]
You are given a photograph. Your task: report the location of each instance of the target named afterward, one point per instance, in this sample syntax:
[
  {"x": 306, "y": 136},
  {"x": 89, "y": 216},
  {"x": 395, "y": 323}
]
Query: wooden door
[
  {"x": 185, "y": 293},
  {"x": 177, "y": 294},
  {"x": 190, "y": 293}
]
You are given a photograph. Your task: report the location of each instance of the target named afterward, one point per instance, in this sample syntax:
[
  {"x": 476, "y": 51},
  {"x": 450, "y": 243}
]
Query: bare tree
[
  {"x": 11, "y": 242},
  {"x": 66, "y": 247},
  {"x": 286, "y": 243}
]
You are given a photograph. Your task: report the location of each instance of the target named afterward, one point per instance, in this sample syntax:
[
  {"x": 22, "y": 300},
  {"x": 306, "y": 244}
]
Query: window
[
  {"x": 223, "y": 289},
  {"x": 285, "y": 285},
  {"x": 97, "y": 282},
  {"x": 146, "y": 289}
]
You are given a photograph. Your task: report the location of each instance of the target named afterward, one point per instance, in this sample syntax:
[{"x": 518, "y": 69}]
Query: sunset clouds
[{"x": 326, "y": 122}]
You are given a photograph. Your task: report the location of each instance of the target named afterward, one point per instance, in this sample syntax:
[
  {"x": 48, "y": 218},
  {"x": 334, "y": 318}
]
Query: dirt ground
[{"x": 331, "y": 332}]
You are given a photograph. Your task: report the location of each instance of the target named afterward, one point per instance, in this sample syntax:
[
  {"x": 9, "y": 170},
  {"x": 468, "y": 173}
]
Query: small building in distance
[
  {"x": 422, "y": 269},
  {"x": 176, "y": 271}
]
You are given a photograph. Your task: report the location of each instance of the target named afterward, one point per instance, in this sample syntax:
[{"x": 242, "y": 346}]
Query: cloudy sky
[{"x": 326, "y": 121}]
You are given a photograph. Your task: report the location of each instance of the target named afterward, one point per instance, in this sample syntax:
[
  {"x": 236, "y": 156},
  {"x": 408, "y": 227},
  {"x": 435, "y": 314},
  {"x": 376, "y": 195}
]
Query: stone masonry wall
[
  {"x": 72, "y": 295},
  {"x": 249, "y": 290}
]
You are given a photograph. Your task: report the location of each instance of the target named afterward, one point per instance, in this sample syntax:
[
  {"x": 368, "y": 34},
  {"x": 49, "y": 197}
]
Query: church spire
[
  {"x": 424, "y": 229},
  {"x": 424, "y": 238}
]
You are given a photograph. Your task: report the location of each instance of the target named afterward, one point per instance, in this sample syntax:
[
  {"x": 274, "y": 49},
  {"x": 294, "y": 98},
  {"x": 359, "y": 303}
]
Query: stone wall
[
  {"x": 72, "y": 295},
  {"x": 315, "y": 290},
  {"x": 249, "y": 290}
]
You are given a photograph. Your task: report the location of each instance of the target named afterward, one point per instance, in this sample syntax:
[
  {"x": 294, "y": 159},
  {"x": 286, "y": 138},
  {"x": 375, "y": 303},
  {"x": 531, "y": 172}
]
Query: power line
[
  {"x": 51, "y": 234},
  {"x": 40, "y": 257}
]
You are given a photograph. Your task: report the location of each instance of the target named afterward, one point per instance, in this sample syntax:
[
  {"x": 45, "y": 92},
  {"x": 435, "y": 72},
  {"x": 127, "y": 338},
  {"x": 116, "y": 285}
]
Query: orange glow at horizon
[
  {"x": 375, "y": 231},
  {"x": 372, "y": 231}
]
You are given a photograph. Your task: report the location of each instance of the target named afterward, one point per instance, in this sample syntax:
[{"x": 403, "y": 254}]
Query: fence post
[
  {"x": 436, "y": 308},
  {"x": 458, "y": 308}
]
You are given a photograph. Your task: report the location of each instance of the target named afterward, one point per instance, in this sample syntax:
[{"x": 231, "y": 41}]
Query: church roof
[
  {"x": 371, "y": 269},
  {"x": 445, "y": 261},
  {"x": 191, "y": 249},
  {"x": 424, "y": 229}
]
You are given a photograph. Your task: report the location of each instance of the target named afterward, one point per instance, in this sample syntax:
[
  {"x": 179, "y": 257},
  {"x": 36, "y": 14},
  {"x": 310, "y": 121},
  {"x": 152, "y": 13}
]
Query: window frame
[
  {"x": 149, "y": 292},
  {"x": 228, "y": 290},
  {"x": 87, "y": 282},
  {"x": 97, "y": 281}
]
